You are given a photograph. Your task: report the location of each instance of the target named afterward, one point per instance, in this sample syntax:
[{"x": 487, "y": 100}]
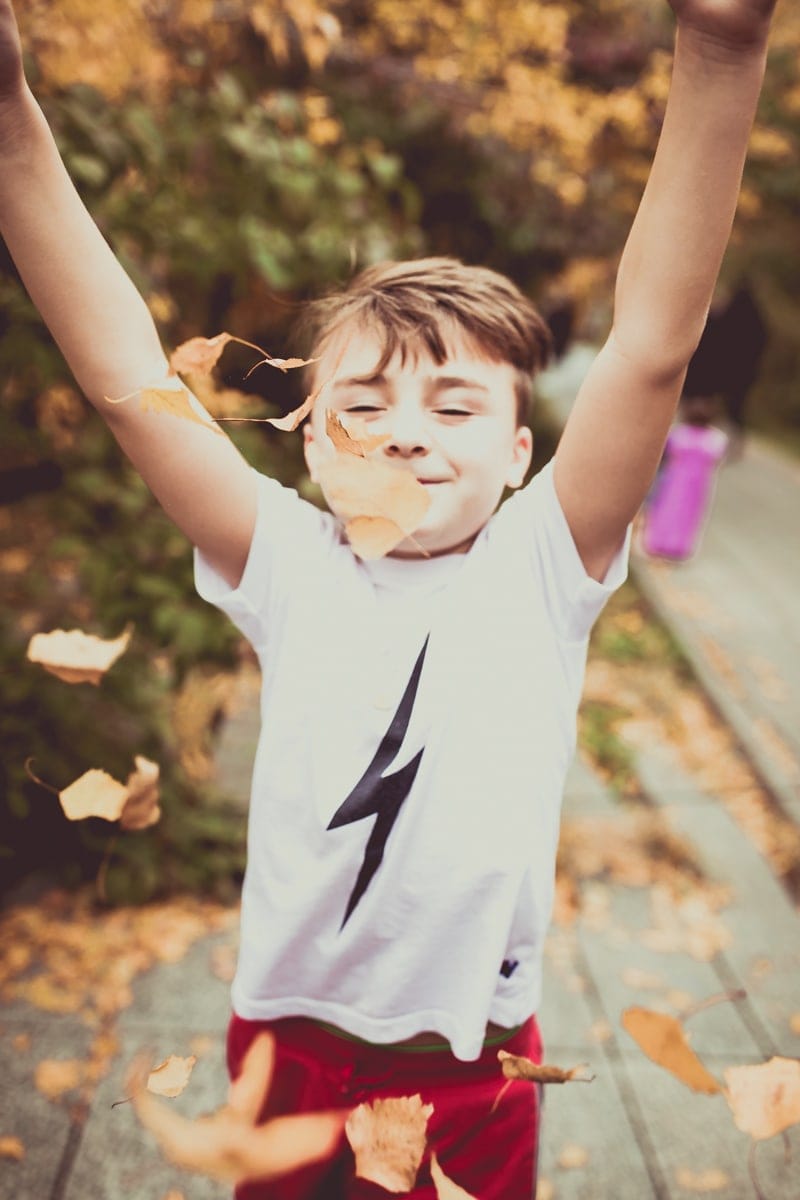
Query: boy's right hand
[{"x": 12, "y": 75}]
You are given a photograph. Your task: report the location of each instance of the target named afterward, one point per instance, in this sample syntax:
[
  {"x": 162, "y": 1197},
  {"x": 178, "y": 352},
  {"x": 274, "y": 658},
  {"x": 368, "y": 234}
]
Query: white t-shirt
[{"x": 418, "y": 719}]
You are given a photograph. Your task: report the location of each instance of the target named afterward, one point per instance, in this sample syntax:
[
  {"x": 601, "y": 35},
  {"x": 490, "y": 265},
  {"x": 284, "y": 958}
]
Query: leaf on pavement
[
  {"x": 662, "y": 1038},
  {"x": 711, "y": 1180},
  {"x": 228, "y": 1145},
  {"x": 12, "y": 1147},
  {"x": 388, "y": 1140},
  {"x": 764, "y": 1099},
  {"x": 171, "y": 1076},
  {"x": 53, "y": 1077},
  {"x": 75, "y": 656},
  {"x": 445, "y": 1188},
  {"x": 572, "y": 1156},
  {"x": 141, "y": 808},
  {"x": 380, "y": 505},
  {"x": 94, "y": 794}
]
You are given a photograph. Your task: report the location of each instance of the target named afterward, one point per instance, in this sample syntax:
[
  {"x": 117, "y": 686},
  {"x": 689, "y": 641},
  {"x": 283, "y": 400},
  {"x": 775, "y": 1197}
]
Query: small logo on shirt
[{"x": 382, "y": 796}]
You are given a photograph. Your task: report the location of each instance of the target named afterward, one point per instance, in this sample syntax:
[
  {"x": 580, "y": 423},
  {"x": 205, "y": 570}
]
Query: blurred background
[{"x": 241, "y": 156}]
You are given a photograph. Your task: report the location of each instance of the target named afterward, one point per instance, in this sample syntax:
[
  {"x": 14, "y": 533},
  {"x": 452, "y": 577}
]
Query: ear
[
  {"x": 521, "y": 457},
  {"x": 310, "y": 451}
]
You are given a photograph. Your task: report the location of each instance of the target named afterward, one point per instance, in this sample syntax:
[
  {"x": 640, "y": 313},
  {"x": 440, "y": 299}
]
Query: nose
[{"x": 408, "y": 434}]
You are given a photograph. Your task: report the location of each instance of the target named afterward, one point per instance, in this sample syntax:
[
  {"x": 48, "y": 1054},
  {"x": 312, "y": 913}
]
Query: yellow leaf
[
  {"x": 94, "y": 794},
  {"x": 572, "y": 1157},
  {"x": 171, "y": 1076},
  {"x": 712, "y": 1180},
  {"x": 445, "y": 1188},
  {"x": 358, "y": 488},
  {"x": 199, "y": 354},
  {"x": 141, "y": 808},
  {"x": 388, "y": 1140},
  {"x": 764, "y": 1099},
  {"x": 53, "y": 1077},
  {"x": 516, "y": 1067},
  {"x": 75, "y": 656},
  {"x": 663, "y": 1040},
  {"x": 373, "y": 537},
  {"x": 11, "y": 1147}
]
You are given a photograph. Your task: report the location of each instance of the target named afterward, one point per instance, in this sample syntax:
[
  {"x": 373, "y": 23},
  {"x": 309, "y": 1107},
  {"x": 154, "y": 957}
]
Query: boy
[{"x": 419, "y": 710}]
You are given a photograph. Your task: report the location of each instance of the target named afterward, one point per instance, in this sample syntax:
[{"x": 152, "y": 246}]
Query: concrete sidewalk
[
  {"x": 635, "y": 1133},
  {"x": 734, "y": 606}
]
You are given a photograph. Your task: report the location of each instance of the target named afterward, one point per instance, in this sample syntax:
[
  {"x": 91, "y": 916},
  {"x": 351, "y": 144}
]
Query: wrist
[
  {"x": 717, "y": 50},
  {"x": 19, "y": 117}
]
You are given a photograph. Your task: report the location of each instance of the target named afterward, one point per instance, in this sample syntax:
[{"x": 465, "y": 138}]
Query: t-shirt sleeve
[
  {"x": 290, "y": 538},
  {"x": 573, "y": 598}
]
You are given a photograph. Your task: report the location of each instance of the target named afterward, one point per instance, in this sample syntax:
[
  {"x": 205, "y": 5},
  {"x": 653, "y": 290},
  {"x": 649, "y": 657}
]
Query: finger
[{"x": 248, "y": 1093}]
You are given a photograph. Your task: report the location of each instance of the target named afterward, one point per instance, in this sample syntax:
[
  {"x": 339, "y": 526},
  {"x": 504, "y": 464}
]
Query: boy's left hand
[{"x": 738, "y": 24}]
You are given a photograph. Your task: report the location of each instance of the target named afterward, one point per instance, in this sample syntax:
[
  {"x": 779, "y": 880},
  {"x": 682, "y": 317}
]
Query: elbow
[{"x": 662, "y": 360}]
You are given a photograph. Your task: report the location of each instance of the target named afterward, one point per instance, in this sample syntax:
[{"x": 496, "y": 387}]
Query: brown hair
[{"x": 415, "y": 304}]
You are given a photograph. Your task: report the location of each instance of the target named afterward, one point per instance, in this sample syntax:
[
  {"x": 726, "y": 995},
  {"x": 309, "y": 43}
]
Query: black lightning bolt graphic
[{"x": 377, "y": 796}]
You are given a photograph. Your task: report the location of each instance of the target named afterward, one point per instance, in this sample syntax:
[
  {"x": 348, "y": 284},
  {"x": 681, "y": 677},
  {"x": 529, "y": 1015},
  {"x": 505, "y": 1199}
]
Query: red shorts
[{"x": 492, "y": 1155}]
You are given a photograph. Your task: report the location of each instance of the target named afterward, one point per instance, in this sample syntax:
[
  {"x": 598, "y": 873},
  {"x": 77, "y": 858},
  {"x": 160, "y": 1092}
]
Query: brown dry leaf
[
  {"x": 517, "y": 1067},
  {"x": 373, "y": 537},
  {"x": 353, "y": 439},
  {"x": 371, "y": 496},
  {"x": 141, "y": 808},
  {"x": 198, "y": 354},
  {"x": 764, "y": 1099},
  {"x": 445, "y": 1188},
  {"x": 285, "y": 364},
  {"x": 12, "y": 1147},
  {"x": 53, "y": 1077},
  {"x": 171, "y": 1076},
  {"x": 388, "y": 1140},
  {"x": 662, "y": 1038},
  {"x": 176, "y": 403},
  {"x": 228, "y": 1145},
  {"x": 289, "y": 423},
  {"x": 794, "y": 1023},
  {"x": 94, "y": 794},
  {"x": 75, "y": 656},
  {"x": 572, "y": 1156},
  {"x": 173, "y": 1195},
  {"x": 712, "y": 1180}
]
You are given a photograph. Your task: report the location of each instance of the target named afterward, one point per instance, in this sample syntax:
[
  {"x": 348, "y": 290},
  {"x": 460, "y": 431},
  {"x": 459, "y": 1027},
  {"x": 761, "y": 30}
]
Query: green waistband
[{"x": 493, "y": 1039}]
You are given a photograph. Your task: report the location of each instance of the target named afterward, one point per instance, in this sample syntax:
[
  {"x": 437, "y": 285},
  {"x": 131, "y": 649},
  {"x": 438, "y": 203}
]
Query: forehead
[{"x": 355, "y": 352}]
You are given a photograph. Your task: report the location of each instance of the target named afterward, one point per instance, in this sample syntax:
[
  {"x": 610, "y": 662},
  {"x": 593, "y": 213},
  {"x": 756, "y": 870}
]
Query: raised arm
[
  {"x": 616, "y": 431},
  {"x": 105, "y": 330}
]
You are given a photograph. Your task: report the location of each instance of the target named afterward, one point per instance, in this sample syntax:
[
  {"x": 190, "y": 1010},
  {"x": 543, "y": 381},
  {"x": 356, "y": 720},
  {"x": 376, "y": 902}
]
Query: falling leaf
[
  {"x": 198, "y": 354},
  {"x": 12, "y": 1147},
  {"x": 370, "y": 497},
  {"x": 228, "y": 1145},
  {"x": 94, "y": 794},
  {"x": 177, "y": 402},
  {"x": 53, "y": 1077},
  {"x": 572, "y": 1157},
  {"x": 712, "y": 1180},
  {"x": 285, "y": 364},
  {"x": 516, "y": 1067},
  {"x": 764, "y": 1099},
  {"x": 373, "y": 537},
  {"x": 171, "y": 1076},
  {"x": 445, "y": 1188},
  {"x": 357, "y": 441},
  {"x": 663, "y": 1040},
  {"x": 75, "y": 656},
  {"x": 388, "y": 1140},
  {"x": 289, "y": 423},
  {"x": 141, "y": 808}
]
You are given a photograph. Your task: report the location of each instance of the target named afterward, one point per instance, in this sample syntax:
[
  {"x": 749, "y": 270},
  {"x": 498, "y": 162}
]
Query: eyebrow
[{"x": 440, "y": 382}]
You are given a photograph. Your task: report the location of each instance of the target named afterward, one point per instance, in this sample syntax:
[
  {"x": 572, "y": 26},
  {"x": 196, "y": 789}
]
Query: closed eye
[{"x": 364, "y": 408}]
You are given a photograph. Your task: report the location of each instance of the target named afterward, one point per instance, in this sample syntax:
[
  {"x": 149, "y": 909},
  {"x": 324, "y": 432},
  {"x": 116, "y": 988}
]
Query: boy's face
[{"x": 451, "y": 426}]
